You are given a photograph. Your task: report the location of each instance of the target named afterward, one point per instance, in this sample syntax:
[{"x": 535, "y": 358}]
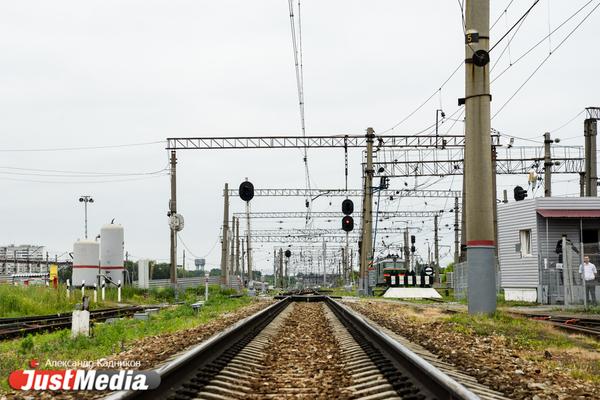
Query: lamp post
[{"x": 85, "y": 200}]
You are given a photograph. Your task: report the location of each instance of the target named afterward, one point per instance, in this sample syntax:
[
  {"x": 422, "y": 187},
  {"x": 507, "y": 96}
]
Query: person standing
[{"x": 588, "y": 272}]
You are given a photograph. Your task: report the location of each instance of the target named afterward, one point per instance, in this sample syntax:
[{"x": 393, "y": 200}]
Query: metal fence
[
  {"x": 460, "y": 280},
  {"x": 561, "y": 281}
]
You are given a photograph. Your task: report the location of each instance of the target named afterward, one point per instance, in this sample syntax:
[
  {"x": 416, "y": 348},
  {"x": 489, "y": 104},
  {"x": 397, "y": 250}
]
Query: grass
[
  {"x": 17, "y": 301},
  {"x": 109, "y": 338},
  {"x": 524, "y": 333}
]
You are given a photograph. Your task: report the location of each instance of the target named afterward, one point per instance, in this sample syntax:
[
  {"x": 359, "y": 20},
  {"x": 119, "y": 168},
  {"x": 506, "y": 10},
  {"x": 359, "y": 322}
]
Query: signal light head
[
  {"x": 347, "y": 223},
  {"x": 347, "y": 207}
]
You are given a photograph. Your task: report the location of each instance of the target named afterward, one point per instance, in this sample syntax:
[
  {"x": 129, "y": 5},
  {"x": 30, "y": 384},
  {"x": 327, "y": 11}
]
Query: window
[{"x": 525, "y": 242}]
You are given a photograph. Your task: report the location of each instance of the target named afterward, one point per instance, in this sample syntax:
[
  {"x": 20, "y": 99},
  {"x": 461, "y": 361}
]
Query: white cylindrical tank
[
  {"x": 85, "y": 262},
  {"x": 112, "y": 252}
]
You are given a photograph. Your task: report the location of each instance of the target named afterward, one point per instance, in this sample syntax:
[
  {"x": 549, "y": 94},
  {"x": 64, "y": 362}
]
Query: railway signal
[
  {"x": 347, "y": 220},
  {"x": 520, "y": 193},
  {"x": 246, "y": 191}
]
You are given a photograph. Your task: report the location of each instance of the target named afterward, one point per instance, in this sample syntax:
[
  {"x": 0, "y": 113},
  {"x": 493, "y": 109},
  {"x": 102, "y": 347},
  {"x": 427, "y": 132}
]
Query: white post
[
  {"x": 95, "y": 292},
  {"x": 103, "y": 289},
  {"x": 206, "y": 286},
  {"x": 119, "y": 291},
  {"x": 82, "y": 288},
  {"x": 68, "y": 289}
]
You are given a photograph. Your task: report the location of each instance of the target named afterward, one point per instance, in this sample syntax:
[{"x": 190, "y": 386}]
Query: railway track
[
  {"x": 303, "y": 347},
  {"x": 21, "y": 326},
  {"x": 586, "y": 326}
]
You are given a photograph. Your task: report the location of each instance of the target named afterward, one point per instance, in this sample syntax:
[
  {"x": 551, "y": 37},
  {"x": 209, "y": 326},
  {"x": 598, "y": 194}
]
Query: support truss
[
  {"x": 299, "y": 142},
  {"x": 305, "y": 239},
  {"x": 333, "y": 215},
  {"x": 314, "y": 193},
  {"x": 509, "y": 161},
  {"x": 315, "y": 232}
]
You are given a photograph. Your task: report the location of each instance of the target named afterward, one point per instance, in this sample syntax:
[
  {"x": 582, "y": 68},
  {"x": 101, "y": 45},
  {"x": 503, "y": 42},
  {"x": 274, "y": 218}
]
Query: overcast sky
[{"x": 106, "y": 73}]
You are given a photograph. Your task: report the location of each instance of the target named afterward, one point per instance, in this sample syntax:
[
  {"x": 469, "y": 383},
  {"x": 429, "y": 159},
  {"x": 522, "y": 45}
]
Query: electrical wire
[
  {"x": 568, "y": 122},
  {"x": 546, "y": 59},
  {"x": 299, "y": 68},
  {"x": 514, "y": 25},
  {"x": 83, "y": 182},
  {"x": 541, "y": 41},
  {"x": 74, "y": 174},
  {"x": 114, "y": 146}
]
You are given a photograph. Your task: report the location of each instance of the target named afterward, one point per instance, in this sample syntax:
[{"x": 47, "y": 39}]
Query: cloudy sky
[{"x": 106, "y": 74}]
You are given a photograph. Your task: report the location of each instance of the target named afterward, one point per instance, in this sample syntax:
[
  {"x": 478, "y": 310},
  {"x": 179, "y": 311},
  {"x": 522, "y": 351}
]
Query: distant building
[
  {"x": 22, "y": 258},
  {"x": 532, "y": 263}
]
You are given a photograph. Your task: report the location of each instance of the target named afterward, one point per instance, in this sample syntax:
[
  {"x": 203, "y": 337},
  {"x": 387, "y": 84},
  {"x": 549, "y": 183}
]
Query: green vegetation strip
[{"x": 111, "y": 338}]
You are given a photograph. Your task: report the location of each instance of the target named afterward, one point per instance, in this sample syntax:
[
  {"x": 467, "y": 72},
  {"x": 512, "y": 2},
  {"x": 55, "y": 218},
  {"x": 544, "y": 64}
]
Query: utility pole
[
  {"x": 242, "y": 260},
  {"x": 456, "y": 237},
  {"x": 225, "y": 241},
  {"x": 406, "y": 250},
  {"x": 481, "y": 246},
  {"x": 248, "y": 241},
  {"x": 285, "y": 272},
  {"x": 366, "y": 256},
  {"x": 280, "y": 275},
  {"x": 232, "y": 248},
  {"x": 237, "y": 246},
  {"x": 590, "y": 133},
  {"x": 581, "y": 184},
  {"x": 324, "y": 262},
  {"x": 547, "y": 165},
  {"x": 173, "y": 211},
  {"x": 436, "y": 245},
  {"x": 463, "y": 219}
]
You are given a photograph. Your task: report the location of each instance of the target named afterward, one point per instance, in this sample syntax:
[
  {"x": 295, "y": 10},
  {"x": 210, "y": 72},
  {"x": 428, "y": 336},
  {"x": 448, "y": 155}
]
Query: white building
[{"x": 531, "y": 264}]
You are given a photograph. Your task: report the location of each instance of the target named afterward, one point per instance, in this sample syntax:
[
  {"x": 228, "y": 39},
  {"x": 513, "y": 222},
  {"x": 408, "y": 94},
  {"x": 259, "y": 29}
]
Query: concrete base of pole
[{"x": 481, "y": 291}]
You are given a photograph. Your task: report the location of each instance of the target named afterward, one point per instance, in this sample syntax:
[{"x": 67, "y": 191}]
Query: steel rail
[
  {"x": 20, "y": 326},
  {"x": 228, "y": 342}
]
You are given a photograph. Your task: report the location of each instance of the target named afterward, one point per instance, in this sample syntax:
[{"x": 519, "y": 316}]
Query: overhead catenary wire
[
  {"x": 546, "y": 59},
  {"x": 514, "y": 25},
  {"x": 299, "y": 69},
  {"x": 76, "y": 148},
  {"x": 542, "y": 40}
]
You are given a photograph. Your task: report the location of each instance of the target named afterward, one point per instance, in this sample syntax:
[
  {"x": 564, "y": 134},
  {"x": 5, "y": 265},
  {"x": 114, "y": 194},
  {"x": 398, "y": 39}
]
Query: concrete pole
[
  {"x": 366, "y": 256},
  {"x": 285, "y": 272},
  {"x": 591, "y": 178},
  {"x": 225, "y": 241},
  {"x": 581, "y": 184},
  {"x": 436, "y": 248},
  {"x": 463, "y": 219},
  {"x": 406, "y": 250},
  {"x": 237, "y": 246},
  {"x": 173, "y": 211},
  {"x": 242, "y": 260},
  {"x": 547, "y": 165},
  {"x": 324, "y": 263},
  {"x": 280, "y": 275},
  {"x": 274, "y": 268},
  {"x": 248, "y": 241},
  {"x": 232, "y": 248},
  {"x": 480, "y": 193},
  {"x": 456, "y": 237},
  {"x": 494, "y": 202}
]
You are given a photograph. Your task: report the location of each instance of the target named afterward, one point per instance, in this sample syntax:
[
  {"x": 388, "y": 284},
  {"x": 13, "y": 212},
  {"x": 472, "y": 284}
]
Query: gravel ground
[
  {"x": 492, "y": 360},
  {"x": 151, "y": 351},
  {"x": 303, "y": 359}
]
